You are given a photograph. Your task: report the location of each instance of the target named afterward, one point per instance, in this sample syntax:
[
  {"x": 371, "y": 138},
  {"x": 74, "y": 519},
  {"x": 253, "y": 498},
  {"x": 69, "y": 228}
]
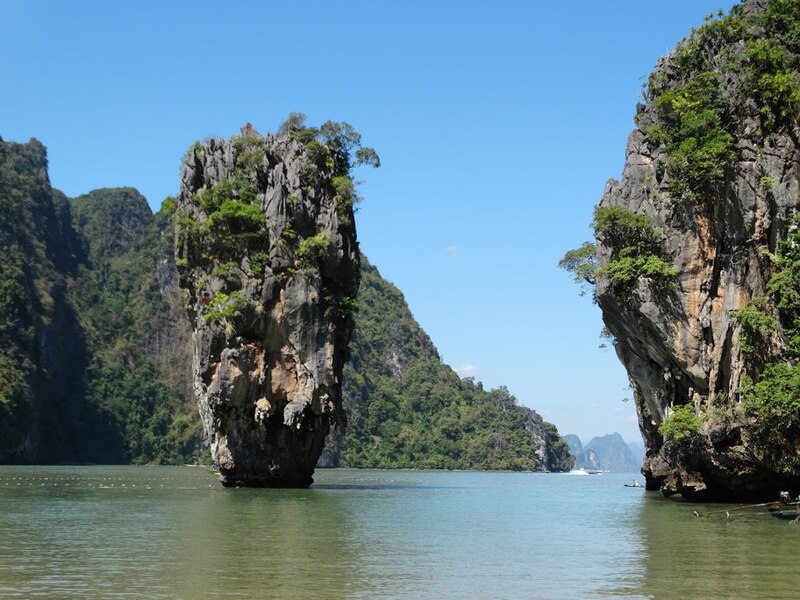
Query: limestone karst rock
[
  {"x": 266, "y": 247},
  {"x": 713, "y": 168}
]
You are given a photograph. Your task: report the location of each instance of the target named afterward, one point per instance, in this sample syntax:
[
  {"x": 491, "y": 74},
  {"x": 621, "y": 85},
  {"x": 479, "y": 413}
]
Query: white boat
[{"x": 585, "y": 472}]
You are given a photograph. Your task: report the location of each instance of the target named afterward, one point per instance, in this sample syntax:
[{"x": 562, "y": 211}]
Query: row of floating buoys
[
  {"x": 99, "y": 486},
  {"x": 97, "y": 478}
]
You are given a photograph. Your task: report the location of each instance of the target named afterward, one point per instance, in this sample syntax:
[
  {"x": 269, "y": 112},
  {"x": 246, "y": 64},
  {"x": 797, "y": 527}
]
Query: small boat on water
[
  {"x": 585, "y": 472},
  {"x": 213, "y": 469},
  {"x": 788, "y": 512},
  {"x": 635, "y": 484}
]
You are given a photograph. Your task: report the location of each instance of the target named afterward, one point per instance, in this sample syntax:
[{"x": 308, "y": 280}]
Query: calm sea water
[{"x": 173, "y": 532}]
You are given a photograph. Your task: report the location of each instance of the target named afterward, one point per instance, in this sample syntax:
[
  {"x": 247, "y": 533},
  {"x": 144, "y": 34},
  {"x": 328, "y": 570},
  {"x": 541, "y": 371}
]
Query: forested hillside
[
  {"x": 129, "y": 305},
  {"x": 406, "y": 408}
]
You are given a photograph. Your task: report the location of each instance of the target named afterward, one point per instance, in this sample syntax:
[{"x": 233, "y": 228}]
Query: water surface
[{"x": 174, "y": 532}]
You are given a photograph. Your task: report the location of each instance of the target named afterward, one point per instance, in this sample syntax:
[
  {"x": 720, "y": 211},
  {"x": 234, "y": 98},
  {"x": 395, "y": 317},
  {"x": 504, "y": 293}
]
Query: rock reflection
[
  {"x": 265, "y": 543},
  {"x": 749, "y": 556}
]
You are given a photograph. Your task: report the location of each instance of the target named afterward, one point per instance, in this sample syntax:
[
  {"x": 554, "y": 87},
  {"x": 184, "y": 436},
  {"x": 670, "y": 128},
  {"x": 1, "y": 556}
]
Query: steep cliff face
[
  {"x": 44, "y": 416},
  {"x": 689, "y": 246},
  {"x": 267, "y": 250}
]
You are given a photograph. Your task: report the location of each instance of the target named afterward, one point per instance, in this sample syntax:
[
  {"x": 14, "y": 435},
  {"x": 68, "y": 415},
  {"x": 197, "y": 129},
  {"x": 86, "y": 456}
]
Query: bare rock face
[
  {"x": 266, "y": 247},
  {"x": 719, "y": 225}
]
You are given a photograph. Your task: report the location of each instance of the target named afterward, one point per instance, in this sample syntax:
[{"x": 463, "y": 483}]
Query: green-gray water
[{"x": 173, "y": 532}]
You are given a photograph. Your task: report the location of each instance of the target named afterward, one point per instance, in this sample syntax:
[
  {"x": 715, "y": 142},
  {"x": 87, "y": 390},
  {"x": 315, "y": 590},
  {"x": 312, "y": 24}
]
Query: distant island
[{"x": 606, "y": 453}]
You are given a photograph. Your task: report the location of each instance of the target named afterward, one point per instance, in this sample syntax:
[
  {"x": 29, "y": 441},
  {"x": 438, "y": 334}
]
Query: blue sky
[{"x": 498, "y": 124}]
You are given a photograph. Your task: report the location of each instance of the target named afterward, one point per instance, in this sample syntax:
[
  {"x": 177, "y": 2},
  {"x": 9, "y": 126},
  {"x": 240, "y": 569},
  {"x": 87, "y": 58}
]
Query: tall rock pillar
[{"x": 266, "y": 247}]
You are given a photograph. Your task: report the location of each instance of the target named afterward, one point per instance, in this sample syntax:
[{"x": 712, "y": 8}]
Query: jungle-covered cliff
[
  {"x": 696, "y": 263},
  {"x": 96, "y": 355},
  {"x": 90, "y": 354},
  {"x": 42, "y": 346}
]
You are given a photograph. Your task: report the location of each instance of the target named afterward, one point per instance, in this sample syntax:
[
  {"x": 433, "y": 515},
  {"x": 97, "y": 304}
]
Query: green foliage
[
  {"x": 233, "y": 224},
  {"x": 628, "y": 267},
  {"x": 43, "y": 348},
  {"x": 771, "y": 396},
  {"x": 258, "y": 261},
  {"x": 334, "y": 147},
  {"x": 168, "y": 207},
  {"x": 781, "y": 19},
  {"x": 692, "y": 128},
  {"x": 210, "y": 199},
  {"x": 774, "y": 405},
  {"x": 558, "y": 456},
  {"x": 344, "y": 189},
  {"x": 367, "y": 156},
  {"x": 224, "y": 307},
  {"x": 313, "y": 250},
  {"x": 288, "y": 234},
  {"x": 771, "y": 83},
  {"x": 343, "y": 306},
  {"x": 621, "y": 228},
  {"x": 783, "y": 288},
  {"x": 250, "y": 153},
  {"x": 121, "y": 307},
  {"x": 223, "y": 269},
  {"x": 635, "y": 249},
  {"x": 756, "y": 325},
  {"x": 784, "y": 285},
  {"x": 238, "y": 218},
  {"x": 755, "y": 55},
  {"x": 681, "y": 425},
  {"x": 294, "y": 124},
  {"x": 581, "y": 263}
]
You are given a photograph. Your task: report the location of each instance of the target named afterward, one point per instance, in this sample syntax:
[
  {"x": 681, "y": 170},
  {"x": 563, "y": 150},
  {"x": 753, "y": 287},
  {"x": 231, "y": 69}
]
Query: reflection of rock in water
[
  {"x": 749, "y": 556},
  {"x": 267, "y": 250},
  {"x": 259, "y": 544}
]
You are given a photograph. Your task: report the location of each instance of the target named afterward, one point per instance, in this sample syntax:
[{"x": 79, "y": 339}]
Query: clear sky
[{"x": 498, "y": 124}]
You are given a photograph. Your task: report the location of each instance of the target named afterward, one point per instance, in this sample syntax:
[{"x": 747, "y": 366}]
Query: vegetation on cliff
[
  {"x": 124, "y": 307},
  {"x": 711, "y": 182},
  {"x": 635, "y": 249},
  {"x": 42, "y": 347},
  {"x": 636, "y": 253},
  {"x": 704, "y": 105},
  {"x": 771, "y": 389}
]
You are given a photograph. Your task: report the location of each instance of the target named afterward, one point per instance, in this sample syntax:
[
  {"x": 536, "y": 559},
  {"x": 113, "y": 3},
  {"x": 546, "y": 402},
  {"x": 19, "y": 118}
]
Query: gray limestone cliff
[
  {"x": 711, "y": 173},
  {"x": 266, "y": 247}
]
